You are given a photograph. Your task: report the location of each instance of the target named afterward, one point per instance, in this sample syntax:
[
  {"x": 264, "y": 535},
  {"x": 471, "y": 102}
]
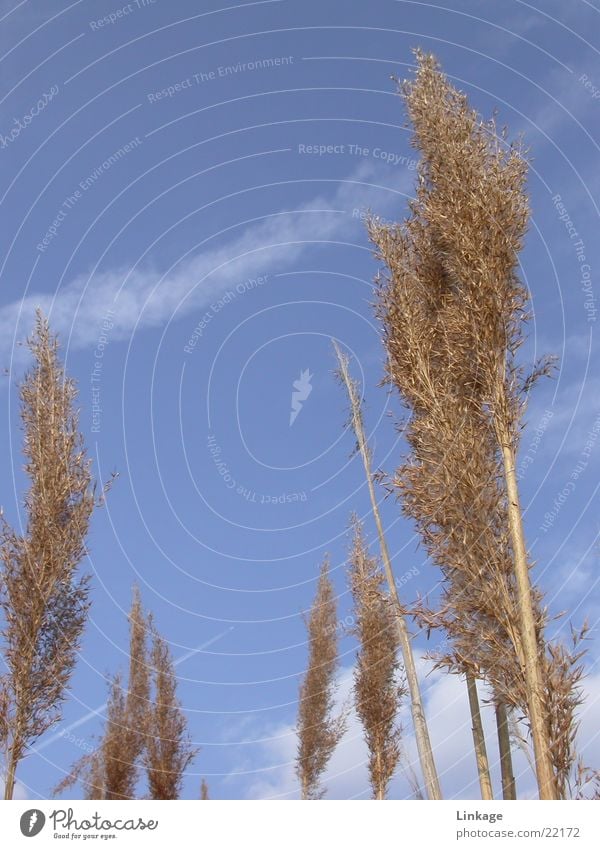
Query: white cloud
[
  {"x": 271, "y": 762},
  {"x": 143, "y": 296}
]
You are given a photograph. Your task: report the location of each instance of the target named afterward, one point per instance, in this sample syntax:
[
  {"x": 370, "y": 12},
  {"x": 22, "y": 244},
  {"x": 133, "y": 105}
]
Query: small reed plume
[
  {"x": 145, "y": 725},
  {"x": 377, "y": 692},
  {"x": 112, "y": 770},
  {"x": 168, "y": 751},
  {"x": 318, "y": 731}
]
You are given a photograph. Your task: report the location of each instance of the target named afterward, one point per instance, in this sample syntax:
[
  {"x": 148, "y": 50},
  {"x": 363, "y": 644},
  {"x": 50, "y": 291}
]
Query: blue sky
[{"x": 199, "y": 179}]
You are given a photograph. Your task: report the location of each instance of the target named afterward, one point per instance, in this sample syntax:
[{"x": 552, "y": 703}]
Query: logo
[
  {"x": 302, "y": 389},
  {"x": 32, "y": 822}
]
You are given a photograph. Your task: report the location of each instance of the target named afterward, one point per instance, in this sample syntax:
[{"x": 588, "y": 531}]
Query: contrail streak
[{"x": 101, "y": 708}]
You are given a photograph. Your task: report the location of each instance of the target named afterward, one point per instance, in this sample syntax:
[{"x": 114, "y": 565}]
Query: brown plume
[
  {"x": 168, "y": 750},
  {"x": 453, "y": 313},
  {"x": 376, "y": 688},
  {"x": 145, "y": 725},
  {"x": 424, "y": 748},
  {"x": 112, "y": 770},
  {"x": 318, "y": 731},
  {"x": 43, "y": 598}
]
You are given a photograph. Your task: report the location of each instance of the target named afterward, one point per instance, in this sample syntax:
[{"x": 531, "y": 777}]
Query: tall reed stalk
[
  {"x": 428, "y": 767},
  {"x": 453, "y": 311}
]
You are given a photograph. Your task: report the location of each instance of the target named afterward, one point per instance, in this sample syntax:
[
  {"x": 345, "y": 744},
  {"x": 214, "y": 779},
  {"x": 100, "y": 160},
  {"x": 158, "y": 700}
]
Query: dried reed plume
[
  {"x": 43, "y": 598},
  {"x": 377, "y": 690},
  {"x": 138, "y": 691},
  {"x": 449, "y": 489},
  {"x": 112, "y": 770},
  {"x": 318, "y": 731},
  {"x": 204, "y": 791},
  {"x": 424, "y": 747},
  {"x": 168, "y": 751},
  {"x": 118, "y": 748},
  {"x": 563, "y": 671},
  {"x": 453, "y": 312}
]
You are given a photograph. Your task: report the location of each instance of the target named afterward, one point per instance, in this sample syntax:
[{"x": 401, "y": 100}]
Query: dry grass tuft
[
  {"x": 168, "y": 750},
  {"x": 355, "y": 421},
  {"x": 44, "y": 600},
  {"x": 112, "y": 770},
  {"x": 453, "y": 312},
  {"x": 318, "y": 731},
  {"x": 145, "y": 725},
  {"x": 377, "y": 691}
]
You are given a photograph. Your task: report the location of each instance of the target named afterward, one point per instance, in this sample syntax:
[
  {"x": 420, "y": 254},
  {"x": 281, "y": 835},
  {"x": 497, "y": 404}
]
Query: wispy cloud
[
  {"x": 268, "y": 767},
  {"x": 145, "y": 296},
  {"x": 100, "y": 710}
]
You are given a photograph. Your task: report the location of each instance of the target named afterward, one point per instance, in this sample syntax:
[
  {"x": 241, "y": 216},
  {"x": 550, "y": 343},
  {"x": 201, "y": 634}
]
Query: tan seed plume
[
  {"x": 319, "y": 731},
  {"x": 44, "y": 598},
  {"x": 377, "y": 689}
]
